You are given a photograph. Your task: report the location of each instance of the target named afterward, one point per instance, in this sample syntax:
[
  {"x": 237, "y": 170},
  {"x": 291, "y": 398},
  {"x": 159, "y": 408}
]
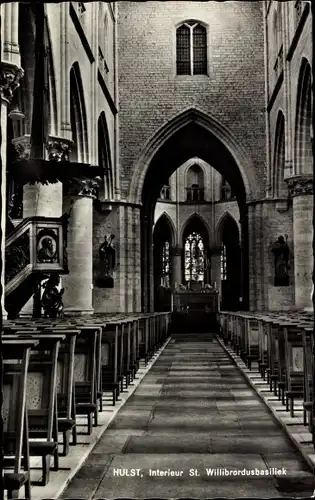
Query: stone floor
[{"x": 193, "y": 429}]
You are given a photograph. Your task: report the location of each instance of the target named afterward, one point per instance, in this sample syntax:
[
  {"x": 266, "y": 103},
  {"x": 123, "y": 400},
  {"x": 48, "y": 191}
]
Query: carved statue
[
  {"x": 281, "y": 252},
  {"x": 107, "y": 255},
  {"x": 52, "y": 298}
]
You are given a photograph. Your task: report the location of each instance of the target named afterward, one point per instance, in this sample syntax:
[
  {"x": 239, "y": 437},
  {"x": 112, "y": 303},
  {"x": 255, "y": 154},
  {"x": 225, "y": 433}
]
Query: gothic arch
[
  {"x": 24, "y": 95},
  {"x": 303, "y": 121},
  {"x": 53, "y": 114},
  {"x": 278, "y": 165},
  {"x": 78, "y": 116},
  {"x": 166, "y": 219},
  {"x": 199, "y": 221},
  {"x": 220, "y": 226},
  {"x": 104, "y": 157},
  {"x": 207, "y": 123}
]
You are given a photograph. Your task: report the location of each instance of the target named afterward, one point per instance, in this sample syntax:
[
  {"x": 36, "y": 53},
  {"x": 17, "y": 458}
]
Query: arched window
[
  {"x": 194, "y": 257},
  {"x": 195, "y": 189},
  {"x": 227, "y": 192},
  {"x": 191, "y": 49},
  {"x": 165, "y": 193},
  {"x": 223, "y": 264},
  {"x": 165, "y": 274}
]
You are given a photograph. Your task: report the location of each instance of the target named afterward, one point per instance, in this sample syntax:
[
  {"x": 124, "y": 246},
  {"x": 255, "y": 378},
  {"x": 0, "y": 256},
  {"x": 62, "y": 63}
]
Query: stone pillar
[
  {"x": 216, "y": 268},
  {"x": 78, "y": 284},
  {"x": 301, "y": 191},
  {"x": 177, "y": 276},
  {"x": 10, "y": 75}
]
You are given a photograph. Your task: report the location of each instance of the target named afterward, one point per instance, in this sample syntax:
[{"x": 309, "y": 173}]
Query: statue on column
[
  {"x": 107, "y": 255},
  {"x": 52, "y": 298},
  {"x": 281, "y": 253}
]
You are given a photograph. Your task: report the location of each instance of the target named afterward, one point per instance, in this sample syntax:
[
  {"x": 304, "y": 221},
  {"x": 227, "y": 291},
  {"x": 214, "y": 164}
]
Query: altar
[{"x": 195, "y": 310}]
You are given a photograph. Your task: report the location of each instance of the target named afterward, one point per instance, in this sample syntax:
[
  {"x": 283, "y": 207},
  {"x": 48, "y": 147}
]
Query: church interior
[{"x": 157, "y": 217}]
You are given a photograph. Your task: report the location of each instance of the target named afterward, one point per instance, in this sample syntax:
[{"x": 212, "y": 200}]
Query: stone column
[
  {"x": 301, "y": 191},
  {"x": 10, "y": 75},
  {"x": 177, "y": 266},
  {"x": 216, "y": 268},
  {"x": 78, "y": 284}
]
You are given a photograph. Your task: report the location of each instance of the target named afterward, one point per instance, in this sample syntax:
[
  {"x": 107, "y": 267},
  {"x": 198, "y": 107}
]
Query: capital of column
[
  {"x": 300, "y": 185},
  {"x": 22, "y": 146},
  {"x": 82, "y": 186},
  {"x": 58, "y": 148},
  {"x": 10, "y": 75}
]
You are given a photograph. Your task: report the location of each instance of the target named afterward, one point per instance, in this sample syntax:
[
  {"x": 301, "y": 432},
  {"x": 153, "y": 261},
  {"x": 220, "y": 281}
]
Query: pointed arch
[
  {"x": 26, "y": 37},
  {"x": 198, "y": 222},
  {"x": 303, "y": 121},
  {"x": 166, "y": 220},
  {"x": 226, "y": 216},
  {"x": 278, "y": 184},
  {"x": 78, "y": 118},
  {"x": 104, "y": 157},
  {"x": 52, "y": 108},
  {"x": 193, "y": 116}
]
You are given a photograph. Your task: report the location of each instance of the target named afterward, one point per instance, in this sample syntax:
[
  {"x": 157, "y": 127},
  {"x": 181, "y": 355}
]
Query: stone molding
[
  {"x": 300, "y": 185},
  {"x": 58, "y": 148},
  {"x": 82, "y": 186},
  {"x": 10, "y": 75}
]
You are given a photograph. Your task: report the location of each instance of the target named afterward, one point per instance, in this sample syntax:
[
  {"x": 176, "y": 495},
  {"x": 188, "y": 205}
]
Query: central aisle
[{"x": 192, "y": 411}]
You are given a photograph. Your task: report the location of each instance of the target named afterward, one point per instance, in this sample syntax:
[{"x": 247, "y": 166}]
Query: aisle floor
[{"x": 195, "y": 419}]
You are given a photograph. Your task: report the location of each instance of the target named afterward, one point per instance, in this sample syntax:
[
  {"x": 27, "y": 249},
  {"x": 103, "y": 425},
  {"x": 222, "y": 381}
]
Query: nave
[{"x": 193, "y": 410}]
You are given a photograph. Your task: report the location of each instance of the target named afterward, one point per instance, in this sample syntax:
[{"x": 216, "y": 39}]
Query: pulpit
[{"x": 195, "y": 310}]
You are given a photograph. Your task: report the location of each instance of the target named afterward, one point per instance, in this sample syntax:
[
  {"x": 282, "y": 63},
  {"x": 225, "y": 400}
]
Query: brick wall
[{"x": 151, "y": 94}]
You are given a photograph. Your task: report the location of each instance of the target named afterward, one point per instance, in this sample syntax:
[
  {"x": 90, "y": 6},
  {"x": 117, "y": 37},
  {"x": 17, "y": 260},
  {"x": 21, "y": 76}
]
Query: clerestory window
[{"x": 191, "y": 49}]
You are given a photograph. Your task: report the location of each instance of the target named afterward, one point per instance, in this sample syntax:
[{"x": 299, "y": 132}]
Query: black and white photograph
[{"x": 157, "y": 249}]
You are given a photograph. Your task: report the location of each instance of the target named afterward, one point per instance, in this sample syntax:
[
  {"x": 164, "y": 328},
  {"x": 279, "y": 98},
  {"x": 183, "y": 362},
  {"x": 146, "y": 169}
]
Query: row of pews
[
  {"x": 57, "y": 371},
  {"x": 281, "y": 348}
]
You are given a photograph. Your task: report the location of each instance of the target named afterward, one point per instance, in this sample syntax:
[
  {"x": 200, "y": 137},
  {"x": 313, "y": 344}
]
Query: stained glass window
[
  {"x": 165, "y": 278},
  {"x": 191, "y": 49},
  {"x": 194, "y": 258},
  {"x": 223, "y": 264}
]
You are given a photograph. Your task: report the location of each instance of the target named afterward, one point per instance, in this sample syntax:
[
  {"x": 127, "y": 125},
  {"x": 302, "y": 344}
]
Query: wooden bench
[
  {"x": 16, "y": 455},
  {"x": 308, "y": 350},
  {"x": 109, "y": 359},
  {"x": 294, "y": 366}
]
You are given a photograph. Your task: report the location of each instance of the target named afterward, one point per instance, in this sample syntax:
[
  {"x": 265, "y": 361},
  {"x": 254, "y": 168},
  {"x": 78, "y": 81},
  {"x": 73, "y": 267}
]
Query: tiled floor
[{"x": 193, "y": 428}]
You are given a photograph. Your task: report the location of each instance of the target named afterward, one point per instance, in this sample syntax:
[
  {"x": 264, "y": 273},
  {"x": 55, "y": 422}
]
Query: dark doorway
[
  {"x": 230, "y": 266},
  {"x": 162, "y": 259}
]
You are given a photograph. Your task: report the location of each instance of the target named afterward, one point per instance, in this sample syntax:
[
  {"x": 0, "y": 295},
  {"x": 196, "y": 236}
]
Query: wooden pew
[
  {"x": 294, "y": 365},
  {"x": 42, "y": 412},
  {"x": 308, "y": 350},
  {"x": 109, "y": 359},
  {"x": 16, "y": 355}
]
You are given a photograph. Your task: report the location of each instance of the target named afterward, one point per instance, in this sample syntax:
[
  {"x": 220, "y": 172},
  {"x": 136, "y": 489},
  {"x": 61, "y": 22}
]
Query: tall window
[
  {"x": 223, "y": 264},
  {"x": 191, "y": 49},
  {"x": 194, "y": 258},
  {"x": 195, "y": 189},
  {"x": 165, "y": 275}
]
